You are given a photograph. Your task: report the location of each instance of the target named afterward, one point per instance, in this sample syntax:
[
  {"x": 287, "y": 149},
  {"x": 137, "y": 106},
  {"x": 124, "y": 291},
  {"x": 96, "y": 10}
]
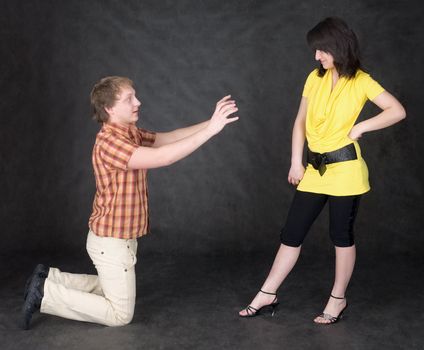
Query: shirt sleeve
[
  {"x": 147, "y": 137},
  {"x": 370, "y": 87},
  {"x": 116, "y": 152},
  {"x": 308, "y": 84}
]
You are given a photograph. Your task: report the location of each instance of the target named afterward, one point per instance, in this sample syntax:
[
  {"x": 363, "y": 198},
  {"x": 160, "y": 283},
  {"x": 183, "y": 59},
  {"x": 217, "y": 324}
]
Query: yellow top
[{"x": 330, "y": 116}]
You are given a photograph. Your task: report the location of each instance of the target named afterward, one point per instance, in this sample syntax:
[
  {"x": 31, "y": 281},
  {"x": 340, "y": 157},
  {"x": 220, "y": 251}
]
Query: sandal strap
[
  {"x": 336, "y": 297},
  {"x": 250, "y": 310},
  {"x": 275, "y": 294},
  {"x": 267, "y": 292},
  {"x": 328, "y": 317}
]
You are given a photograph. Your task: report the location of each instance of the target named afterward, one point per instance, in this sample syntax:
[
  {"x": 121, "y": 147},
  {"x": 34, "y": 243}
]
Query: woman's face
[{"x": 326, "y": 59}]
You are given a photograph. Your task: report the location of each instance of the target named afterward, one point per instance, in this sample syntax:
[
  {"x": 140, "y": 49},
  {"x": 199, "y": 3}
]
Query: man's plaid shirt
[{"x": 120, "y": 207}]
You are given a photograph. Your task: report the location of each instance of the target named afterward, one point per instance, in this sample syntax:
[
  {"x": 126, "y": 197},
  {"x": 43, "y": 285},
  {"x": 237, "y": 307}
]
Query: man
[{"x": 121, "y": 155}]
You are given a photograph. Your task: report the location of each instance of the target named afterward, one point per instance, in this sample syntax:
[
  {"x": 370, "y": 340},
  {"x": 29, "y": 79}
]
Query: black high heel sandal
[
  {"x": 330, "y": 318},
  {"x": 252, "y": 312}
]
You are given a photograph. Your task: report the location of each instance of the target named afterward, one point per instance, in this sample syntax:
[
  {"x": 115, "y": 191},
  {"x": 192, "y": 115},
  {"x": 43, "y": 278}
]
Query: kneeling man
[{"x": 121, "y": 156}]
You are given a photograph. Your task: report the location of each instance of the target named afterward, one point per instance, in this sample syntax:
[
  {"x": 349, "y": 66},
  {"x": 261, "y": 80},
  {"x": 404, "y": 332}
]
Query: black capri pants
[{"x": 305, "y": 208}]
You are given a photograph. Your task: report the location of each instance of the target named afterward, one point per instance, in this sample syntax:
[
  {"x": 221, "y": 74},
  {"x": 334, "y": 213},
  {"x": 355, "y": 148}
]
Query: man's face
[{"x": 125, "y": 109}]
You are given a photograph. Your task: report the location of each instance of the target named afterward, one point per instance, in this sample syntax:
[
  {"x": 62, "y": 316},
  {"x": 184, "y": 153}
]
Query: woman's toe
[{"x": 320, "y": 319}]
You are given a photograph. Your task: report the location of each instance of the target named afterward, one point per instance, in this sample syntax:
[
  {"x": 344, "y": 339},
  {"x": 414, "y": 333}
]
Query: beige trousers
[{"x": 108, "y": 298}]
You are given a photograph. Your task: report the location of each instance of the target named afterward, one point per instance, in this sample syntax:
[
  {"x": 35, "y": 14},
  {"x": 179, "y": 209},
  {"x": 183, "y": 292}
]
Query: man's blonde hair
[{"x": 104, "y": 95}]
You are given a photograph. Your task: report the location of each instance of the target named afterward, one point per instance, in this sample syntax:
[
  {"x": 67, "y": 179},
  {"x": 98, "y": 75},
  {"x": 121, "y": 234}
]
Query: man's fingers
[
  {"x": 226, "y": 115},
  {"x": 227, "y": 111},
  {"x": 230, "y": 120},
  {"x": 223, "y": 99},
  {"x": 222, "y": 105}
]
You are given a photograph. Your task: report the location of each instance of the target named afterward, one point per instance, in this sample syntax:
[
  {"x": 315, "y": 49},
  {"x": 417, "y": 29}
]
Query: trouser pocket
[{"x": 108, "y": 251}]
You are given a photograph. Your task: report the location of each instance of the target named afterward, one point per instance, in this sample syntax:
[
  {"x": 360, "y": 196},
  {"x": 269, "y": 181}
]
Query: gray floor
[{"x": 191, "y": 302}]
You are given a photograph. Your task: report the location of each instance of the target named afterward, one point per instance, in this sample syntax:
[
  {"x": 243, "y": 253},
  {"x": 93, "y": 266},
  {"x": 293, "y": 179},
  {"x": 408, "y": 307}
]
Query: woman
[{"x": 332, "y": 99}]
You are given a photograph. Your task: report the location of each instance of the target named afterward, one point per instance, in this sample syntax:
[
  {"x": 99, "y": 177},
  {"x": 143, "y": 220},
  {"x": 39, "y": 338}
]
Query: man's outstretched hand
[{"x": 224, "y": 108}]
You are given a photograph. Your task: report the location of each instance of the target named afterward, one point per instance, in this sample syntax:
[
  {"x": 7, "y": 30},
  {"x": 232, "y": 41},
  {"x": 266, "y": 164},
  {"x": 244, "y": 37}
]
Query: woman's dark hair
[{"x": 332, "y": 35}]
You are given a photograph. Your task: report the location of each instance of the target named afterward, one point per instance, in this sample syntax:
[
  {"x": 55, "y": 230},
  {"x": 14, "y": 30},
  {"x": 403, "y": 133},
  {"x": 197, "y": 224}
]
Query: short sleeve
[
  {"x": 147, "y": 137},
  {"x": 370, "y": 87},
  {"x": 309, "y": 82},
  {"x": 116, "y": 151}
]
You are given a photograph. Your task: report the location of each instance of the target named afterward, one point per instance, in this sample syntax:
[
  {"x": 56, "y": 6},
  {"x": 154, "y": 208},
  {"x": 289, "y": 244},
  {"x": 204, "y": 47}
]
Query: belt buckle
[{"x": 319, "y": 161}]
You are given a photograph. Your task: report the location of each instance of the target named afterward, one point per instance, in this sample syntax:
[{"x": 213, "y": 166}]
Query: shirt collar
[{"x": 124, "y": 130}]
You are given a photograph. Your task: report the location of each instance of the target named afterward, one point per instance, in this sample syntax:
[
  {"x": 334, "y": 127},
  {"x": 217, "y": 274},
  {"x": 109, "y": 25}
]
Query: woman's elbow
[
  {"x": 402, "y": 112},
  {"x": 398, "y": 113}
]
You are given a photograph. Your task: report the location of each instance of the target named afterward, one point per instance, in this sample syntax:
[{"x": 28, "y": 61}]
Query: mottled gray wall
[{"x": 185, "y": 55}]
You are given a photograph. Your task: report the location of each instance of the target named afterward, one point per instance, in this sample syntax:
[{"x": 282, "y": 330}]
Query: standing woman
[{"x": 333, "y": 96}]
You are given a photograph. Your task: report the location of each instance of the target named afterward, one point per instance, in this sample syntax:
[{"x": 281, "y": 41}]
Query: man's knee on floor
[
  {"x": 126, "y": 318},
  {"x": 122, "y": 319}
]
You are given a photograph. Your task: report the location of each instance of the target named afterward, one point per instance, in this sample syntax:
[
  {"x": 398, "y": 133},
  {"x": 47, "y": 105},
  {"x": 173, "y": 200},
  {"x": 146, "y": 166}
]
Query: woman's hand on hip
[
  {"x": 296, "y": 174},
  {"x": 356, "y": 132}
]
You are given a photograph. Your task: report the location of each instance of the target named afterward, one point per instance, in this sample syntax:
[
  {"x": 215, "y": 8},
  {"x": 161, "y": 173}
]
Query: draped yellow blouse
[{"x": 331, "y": 114}]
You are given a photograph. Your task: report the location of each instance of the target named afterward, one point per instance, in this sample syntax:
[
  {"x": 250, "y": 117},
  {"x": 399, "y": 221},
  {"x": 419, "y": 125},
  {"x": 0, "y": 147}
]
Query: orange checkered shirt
[{"x": 120, "y": 207}]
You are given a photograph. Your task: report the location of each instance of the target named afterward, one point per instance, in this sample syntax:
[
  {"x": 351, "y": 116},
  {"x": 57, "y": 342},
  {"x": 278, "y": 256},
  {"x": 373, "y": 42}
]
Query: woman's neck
[
  {"x": 335, "y": 73},
  {"x": 335, "y": 76}
]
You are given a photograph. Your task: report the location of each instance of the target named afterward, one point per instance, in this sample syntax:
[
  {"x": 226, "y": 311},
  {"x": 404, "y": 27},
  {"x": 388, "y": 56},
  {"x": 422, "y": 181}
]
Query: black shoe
[
  {"x": 252, "y": 312},
  {"x": 33, "y": 299},
  {"x": 40, "y": 270}
]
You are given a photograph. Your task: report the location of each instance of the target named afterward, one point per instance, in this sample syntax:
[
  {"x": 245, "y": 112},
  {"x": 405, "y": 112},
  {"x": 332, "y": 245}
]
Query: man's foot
[
  {"x": 333, "y": 311},
  {"x": 261, "y": 300},
  {"x": 40, "y": 270},
  {"x": 33, "y": 299}
]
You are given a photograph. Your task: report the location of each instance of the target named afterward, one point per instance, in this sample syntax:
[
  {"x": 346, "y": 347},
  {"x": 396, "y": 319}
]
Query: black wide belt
[{"x": 319, "y": 160}]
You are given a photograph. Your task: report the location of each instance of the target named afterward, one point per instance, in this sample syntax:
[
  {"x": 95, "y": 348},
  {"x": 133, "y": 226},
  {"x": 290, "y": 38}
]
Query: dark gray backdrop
[{"x": 232, "y": 195}]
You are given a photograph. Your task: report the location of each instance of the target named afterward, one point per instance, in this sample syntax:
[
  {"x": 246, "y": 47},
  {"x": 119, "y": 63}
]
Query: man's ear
[{"x": 108, "y": 110}]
